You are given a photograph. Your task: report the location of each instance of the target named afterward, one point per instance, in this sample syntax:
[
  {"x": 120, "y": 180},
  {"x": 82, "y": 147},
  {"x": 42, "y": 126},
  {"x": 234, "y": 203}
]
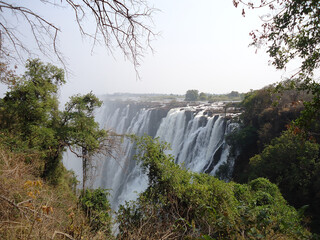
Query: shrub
[
  {"x": 96, "y": 206},
  {"x": 185, "y": 205}
]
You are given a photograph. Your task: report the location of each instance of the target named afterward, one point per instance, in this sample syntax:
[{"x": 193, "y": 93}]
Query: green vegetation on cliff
[
  {"x": 272, "y": 143},
  {"x": 185, "y": 205}
]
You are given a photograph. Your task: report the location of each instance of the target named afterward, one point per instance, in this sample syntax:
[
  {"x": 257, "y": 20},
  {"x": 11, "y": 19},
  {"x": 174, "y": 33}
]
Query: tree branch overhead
[{"x": 118, "y": 24}]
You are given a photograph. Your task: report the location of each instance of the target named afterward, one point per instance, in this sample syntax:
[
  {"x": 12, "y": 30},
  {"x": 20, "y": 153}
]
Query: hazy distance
[{"x": 201, "y": 45}]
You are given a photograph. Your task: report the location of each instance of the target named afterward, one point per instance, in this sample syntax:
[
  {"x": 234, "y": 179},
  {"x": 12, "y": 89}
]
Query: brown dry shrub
[{"x": 32, "y": 209}]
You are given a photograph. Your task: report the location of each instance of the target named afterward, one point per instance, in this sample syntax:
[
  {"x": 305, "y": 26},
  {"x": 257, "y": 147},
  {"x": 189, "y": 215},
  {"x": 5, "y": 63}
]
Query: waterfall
[
  {"x": 196, "y": 135},
  {"x": 197, "y": 140}
]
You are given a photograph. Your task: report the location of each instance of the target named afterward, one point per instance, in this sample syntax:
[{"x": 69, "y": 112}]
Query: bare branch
[
  {"x": 61, "y": 233},
  {"x": 119, "y": 24}
]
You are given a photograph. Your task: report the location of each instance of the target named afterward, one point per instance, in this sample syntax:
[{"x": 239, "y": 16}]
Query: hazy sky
[{"x": 202, "y": 45}]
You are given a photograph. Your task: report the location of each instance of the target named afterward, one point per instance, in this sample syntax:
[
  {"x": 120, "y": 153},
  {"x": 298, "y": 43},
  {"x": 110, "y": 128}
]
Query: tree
[
  {"x": 96, "y": 206},
  {"x": 83, "y": 135},
  {"x": 261, "y": 121},
  {"x": 290, "y": 33},
  {"x": 192, "y": 95},
  {"x": 293, "y": 33},
  {"x": 254, "y": 103},
  {"x": 233, "y": 94},
  {"x": 30, "y": 108},
  {"x": 292, "y": 162},
  {"x": 117, "y": 23},
  {"x": 202, "y": 96},
  {"x": 29, "y": 115}
]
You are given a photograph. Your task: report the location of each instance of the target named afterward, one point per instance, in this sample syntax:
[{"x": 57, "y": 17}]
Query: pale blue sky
[{"x": 203, "y": 45}]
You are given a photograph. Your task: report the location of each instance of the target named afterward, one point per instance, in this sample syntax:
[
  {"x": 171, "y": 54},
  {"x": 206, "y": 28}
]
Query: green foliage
[
  {"x": 30, "y": 107},
  {"x": 192, "y": 95},
  {"x": 95, "y": 204},
  {"x": 266, "y": 114},
  {"x": 30, "y": 118},
  {"x": 254, "y": 103},
  {"x": 292, "y": 162},
  {"x": 206, "y": 237},
  {"x": 309, "y": 118},
  {"x": 264, "y": 211},
  {"x": 80, "y": 130},
  {"x": 242, "y": 139},
  {"x": 202, "y": 96},
  {"x": 289, "y": 159},
  {"x": 243, "y": 142},
  {"x": 234, "y": 94},
  {"x": 188, "y": 205},
  {"x": 34, "y": 133},
  {"x": 79, "y": 125},
  {"x": 30, "y": 115},
  {"x": 293, "y": 34}
]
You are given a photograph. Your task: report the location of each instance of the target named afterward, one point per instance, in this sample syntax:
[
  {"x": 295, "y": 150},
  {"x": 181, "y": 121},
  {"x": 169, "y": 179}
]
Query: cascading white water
[
  {"x": 122, "y": 175},
  {"x": 196, "y": 135},
  {"x": 199, "y": 142}
]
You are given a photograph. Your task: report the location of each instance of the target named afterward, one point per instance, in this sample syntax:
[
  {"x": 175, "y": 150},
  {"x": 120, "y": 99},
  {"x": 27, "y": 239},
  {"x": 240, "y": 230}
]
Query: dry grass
[{"x": 31, "y": 209}]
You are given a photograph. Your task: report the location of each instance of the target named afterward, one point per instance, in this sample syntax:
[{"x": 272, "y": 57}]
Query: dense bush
[
  {"x": 186, "y": 205},
  {"x": 265, "y": 115},
  {"x": 96, "y": 206},
  {"x": 293, "y": 163}
]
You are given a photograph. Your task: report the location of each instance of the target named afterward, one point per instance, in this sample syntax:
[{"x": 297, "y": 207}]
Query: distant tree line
[{"x": 194, "y": 95}]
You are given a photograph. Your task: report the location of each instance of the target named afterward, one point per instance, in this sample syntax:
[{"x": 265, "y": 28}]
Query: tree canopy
[
  {"x": 192, "y": 95},
  {"x": 292, "y": 33},
  {"x": 30, "y": 108},
  {"x": 29, "y": 116},
  {"x": 292, "y": 162}
]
